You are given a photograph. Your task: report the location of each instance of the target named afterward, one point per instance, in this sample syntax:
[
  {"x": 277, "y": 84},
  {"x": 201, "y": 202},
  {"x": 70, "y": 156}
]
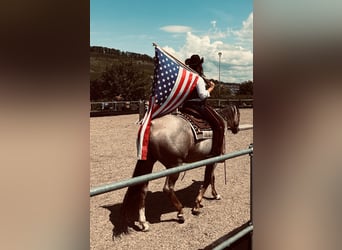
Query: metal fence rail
[
  {"x": 234, "y": 238},
  {"x": 148, "y": 177},
  {"x": 105, "y": 108}
]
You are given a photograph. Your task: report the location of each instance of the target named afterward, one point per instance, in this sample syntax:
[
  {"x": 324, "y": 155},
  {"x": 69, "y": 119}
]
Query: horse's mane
[{"x": 227, "y": 112}]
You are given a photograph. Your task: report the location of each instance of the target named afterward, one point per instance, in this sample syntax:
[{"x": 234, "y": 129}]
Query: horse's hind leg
[
  {"x": 133, "y": 205},
  {"x": 142, "y": 218},
  {"x": 169, "y": 190}
]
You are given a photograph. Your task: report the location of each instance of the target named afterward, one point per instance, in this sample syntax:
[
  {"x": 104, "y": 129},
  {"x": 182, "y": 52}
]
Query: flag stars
[{"x": 165, "y": 78}]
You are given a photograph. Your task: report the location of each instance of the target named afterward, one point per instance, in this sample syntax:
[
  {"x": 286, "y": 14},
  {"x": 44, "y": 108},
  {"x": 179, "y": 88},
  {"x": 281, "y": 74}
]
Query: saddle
[
  {"x": 203, "y": 130},
  {"x": 200, "y": 127}
]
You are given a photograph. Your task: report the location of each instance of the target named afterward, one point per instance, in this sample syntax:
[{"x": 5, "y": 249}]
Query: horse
[{"x": 172, "y": 143}]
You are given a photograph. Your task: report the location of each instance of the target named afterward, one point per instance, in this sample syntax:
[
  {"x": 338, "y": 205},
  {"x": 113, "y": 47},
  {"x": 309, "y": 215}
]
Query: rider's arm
[{"x": 204, "y": 93}]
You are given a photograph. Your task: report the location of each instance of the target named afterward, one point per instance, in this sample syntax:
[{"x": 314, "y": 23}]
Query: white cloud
[
  {"x": 176, "y": 28},
  {"x": 236, "y": 47},
  {"x": 236, "y": 62},
  {"x": 245, "y": 34}
]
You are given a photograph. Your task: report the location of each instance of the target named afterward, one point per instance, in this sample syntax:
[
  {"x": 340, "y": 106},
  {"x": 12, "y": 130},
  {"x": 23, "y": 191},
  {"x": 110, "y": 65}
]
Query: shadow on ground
[
  {"x": 243, "y": 243},
  {"x": 157, "y": 204}
]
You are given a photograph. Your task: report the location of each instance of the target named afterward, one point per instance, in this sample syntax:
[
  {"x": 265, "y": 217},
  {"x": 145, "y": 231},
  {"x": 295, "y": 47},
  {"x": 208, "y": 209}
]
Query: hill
[
  {"x": 128, "y": 75},
  {"x": 102, "y": 58}
]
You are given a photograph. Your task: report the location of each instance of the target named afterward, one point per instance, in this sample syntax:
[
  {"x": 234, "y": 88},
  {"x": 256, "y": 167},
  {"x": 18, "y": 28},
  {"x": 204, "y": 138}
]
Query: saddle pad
[{"x": 199, "y": 126}]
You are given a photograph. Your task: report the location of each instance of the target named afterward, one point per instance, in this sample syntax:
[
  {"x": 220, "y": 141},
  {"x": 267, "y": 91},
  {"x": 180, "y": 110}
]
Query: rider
[{"x": 197, "y": 101}]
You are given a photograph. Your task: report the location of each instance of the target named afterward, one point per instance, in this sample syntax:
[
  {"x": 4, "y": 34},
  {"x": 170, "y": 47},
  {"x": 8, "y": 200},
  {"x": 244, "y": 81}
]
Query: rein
[
  {"x": 225, "y": 116},
  {"x": 219, "y": 111}
]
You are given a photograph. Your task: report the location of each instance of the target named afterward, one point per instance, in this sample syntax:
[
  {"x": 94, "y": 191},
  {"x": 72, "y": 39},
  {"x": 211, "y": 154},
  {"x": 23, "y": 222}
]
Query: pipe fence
[
  {"x": 105, "y": 108},
  {"x": 152, "y": 176}
]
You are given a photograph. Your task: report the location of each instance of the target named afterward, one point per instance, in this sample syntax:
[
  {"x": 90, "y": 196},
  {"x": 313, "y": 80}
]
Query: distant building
[{"x": 233, "y": 87}]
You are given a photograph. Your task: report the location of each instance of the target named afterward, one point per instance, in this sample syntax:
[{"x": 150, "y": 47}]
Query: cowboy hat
[{"x": 194, "y": 60}]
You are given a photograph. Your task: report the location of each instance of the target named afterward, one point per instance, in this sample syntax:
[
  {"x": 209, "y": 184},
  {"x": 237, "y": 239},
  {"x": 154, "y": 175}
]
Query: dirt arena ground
[{"x": 113, "y": 157}]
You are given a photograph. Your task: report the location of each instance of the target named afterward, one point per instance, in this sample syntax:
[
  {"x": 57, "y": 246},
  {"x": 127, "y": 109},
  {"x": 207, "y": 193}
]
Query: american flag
[{"x": 173, "y": 82}]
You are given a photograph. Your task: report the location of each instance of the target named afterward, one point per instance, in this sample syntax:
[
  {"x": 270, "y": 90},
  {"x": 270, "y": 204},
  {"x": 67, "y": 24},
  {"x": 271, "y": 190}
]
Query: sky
[{"x": 183, "y": 28}]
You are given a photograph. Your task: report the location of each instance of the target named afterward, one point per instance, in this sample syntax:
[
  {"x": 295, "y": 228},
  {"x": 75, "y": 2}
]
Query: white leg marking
[{"x": 142, "y": 220}]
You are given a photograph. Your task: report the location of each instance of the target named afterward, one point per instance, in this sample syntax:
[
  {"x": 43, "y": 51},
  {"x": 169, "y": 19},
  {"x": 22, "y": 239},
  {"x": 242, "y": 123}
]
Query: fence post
[
  {"x": 141, "y": 109},
  {"x": 251, "y": 182}
]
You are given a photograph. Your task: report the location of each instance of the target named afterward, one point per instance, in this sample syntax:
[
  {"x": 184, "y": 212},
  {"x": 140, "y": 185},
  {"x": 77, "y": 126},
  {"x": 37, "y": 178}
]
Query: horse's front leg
[
  {"x": 196, "y": 209},
  {"x": 213, "y": 189},
  {"x": 203, "y": 188},
  {"x": 209, "y": 178},
  {"x": 169, "y": 190}
]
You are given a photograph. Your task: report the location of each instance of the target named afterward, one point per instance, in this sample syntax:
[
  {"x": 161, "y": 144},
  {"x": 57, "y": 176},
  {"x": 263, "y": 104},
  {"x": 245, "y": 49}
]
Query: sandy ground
[{"x": 113, "y": 157}]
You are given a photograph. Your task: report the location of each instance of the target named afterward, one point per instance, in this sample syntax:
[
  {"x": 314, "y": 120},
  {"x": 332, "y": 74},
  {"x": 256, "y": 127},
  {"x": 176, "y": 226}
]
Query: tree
[
  {"x": 125, "y": 79},
  {"x": 99, "y": 89},
  {"x": 221, "y": 91},
  {"x": 246, "y": 88}
]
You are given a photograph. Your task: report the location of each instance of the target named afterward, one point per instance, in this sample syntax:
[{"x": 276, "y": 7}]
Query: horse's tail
[{"x": 134, "y": 198}]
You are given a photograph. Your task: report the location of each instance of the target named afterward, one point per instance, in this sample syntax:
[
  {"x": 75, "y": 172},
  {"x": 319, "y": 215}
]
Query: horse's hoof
[
  {"x": 218, "y": 197},
  {"x": 195, "y": 211},
  {"x": 145, "y": 227},
  {"x": 181, "y": 218}
]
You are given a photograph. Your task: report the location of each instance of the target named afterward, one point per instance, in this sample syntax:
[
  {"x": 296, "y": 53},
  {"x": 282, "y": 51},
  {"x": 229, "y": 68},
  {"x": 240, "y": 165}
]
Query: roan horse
[{"x": 172, "y": 143}]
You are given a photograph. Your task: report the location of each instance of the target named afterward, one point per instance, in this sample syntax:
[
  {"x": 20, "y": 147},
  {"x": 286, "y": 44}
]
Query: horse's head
[{"x": 232, "y": 116}]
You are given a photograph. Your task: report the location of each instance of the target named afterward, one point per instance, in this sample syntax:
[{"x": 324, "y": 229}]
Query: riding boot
[
  {"x": 218, "y": 137},
  {"x": 218, "y": 131}
]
